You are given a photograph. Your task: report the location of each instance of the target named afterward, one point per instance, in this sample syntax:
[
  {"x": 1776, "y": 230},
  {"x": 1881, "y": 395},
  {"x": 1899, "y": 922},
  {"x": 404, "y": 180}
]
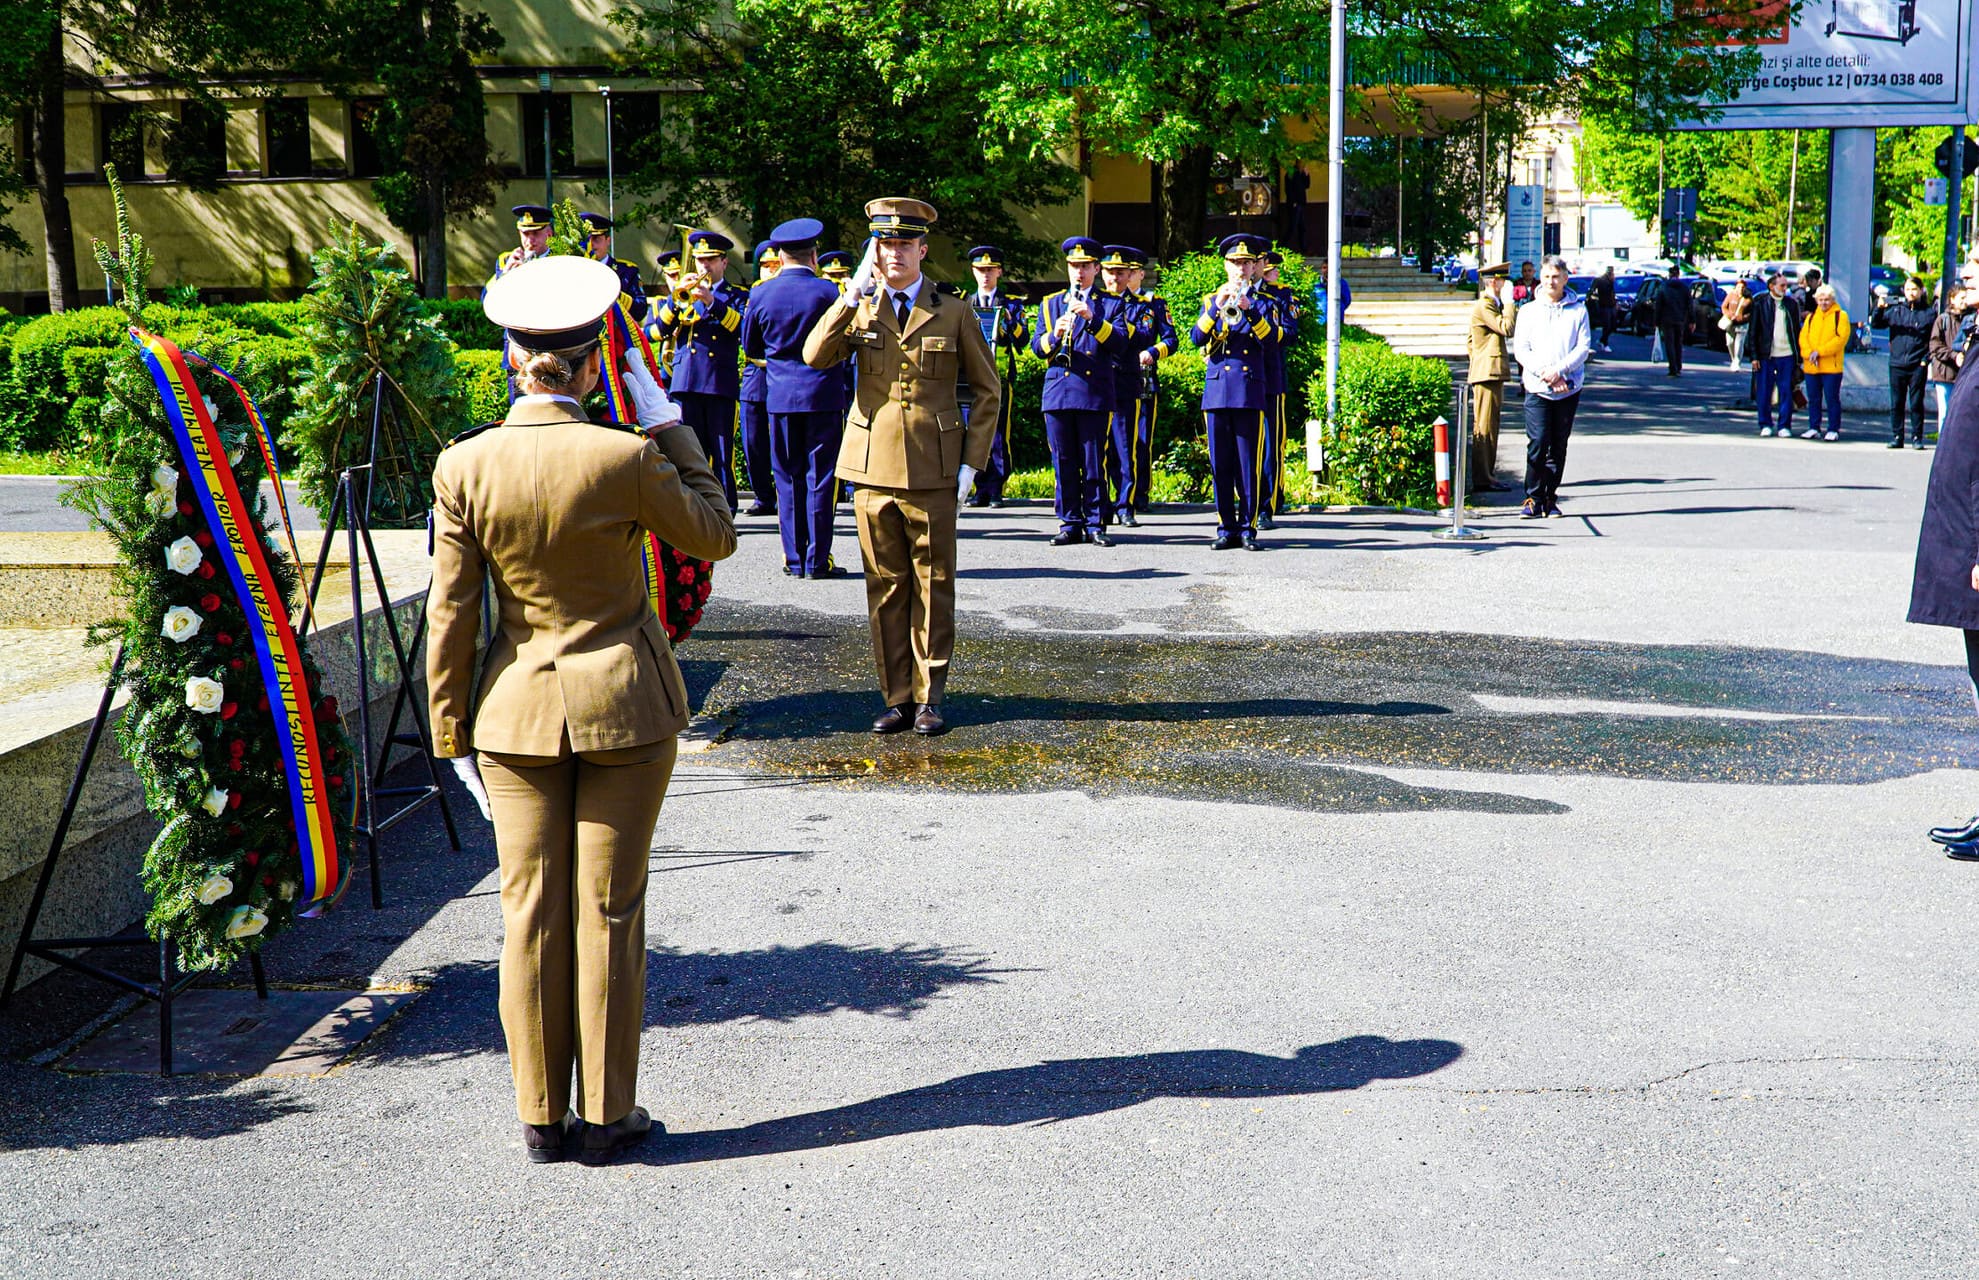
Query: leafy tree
[
  {"x": 790, "y": 120},
  {"x": 430, "y": 125}
]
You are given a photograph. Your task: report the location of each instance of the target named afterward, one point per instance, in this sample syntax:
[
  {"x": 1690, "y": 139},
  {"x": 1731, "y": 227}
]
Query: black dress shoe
[
  {"x": 548, "y": 1143},
  {"x": 1896, "y": 444},
  {"x": 1225, "y": 542},
  {"x": 603, "y": 1141},
  {"x": 1963, "y": 851},
  {"x": 1099, "y": 539},
  {"x": 1264, "y": 520},
  {"x": 977, "y": 502},
  {"x": 1069, "y": 538},
  {"x": 892, "y": 720},
  {"x": 998, "y": 503},
  {"x": 1127, "y": 518},
  {"x": 1964, "y": 834},
  {"x": 1251, "y": 542},
  {"x": 928, "y": 721},
  {"x": 758, "y": 509},
  {"x": 829, "y": 571}
]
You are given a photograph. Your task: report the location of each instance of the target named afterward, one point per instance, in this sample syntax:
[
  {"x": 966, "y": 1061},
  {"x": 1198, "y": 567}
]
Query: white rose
[
  {"x": 288, "y": 890},
  {"x": 215, "y": 802},
  {"x": 204, "y": 695},
  {"x": 215, "y": 888},
  {"x": 246, "y": 922},
  {"x": 183, "y": 556},
  {"x": 165, "y": 477},
  {"x": 212, "y": 410},
  {"x": 181, "y": 624},
  {"x": 190, "y": 750},
  {"x": 159, "y": 502},
  {"x": 234, "y": 456}
]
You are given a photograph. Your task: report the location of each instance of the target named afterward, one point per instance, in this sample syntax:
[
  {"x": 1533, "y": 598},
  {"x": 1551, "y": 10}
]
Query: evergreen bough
[
  {"x": 224, "y": 874},
  {"x": 364, "y": 317}
]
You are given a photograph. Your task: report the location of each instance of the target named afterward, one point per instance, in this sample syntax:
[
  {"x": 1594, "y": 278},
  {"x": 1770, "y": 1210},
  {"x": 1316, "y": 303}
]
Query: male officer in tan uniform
[
  {"x": 908, "y": 450},
  {"x": 1490, "y": 326}
]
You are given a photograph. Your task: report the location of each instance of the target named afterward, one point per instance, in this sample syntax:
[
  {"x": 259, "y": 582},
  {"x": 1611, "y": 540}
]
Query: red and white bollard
[{"x": 1442, "y": 426}]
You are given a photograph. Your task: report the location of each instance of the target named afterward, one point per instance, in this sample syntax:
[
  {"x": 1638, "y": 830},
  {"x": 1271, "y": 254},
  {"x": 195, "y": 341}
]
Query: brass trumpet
[
  {"x": 1233, "y": 305},
  {"x": 689, "y": 282}
]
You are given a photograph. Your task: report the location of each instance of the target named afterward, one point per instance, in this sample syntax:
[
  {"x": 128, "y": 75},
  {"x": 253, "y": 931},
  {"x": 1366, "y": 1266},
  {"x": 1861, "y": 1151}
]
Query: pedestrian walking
[
  {"x": 580, "y": 699},
  {"x": 1944, "y": 589},
  {"x": 1488, "y": 367},
  {"x": 1601, "y": 298},
  {"x": 908, "y": 450},
  {"x": 1552, "y": 341},
  {"x": 1735, "y": 318},
  {"x": 1673, "y": 319},
  {"x": 1525, "y": 285},
  {"x": 1823, "y": 342},
  {"x": 1909, "y": 323},
  {"x": 1948, "y": 340},
  {"x": 1775, "y": 349}
]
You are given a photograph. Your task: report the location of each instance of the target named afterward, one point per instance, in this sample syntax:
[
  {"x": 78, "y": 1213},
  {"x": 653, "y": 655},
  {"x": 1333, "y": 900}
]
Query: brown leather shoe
[
  {"x": 928, "y": 721},
  {"x": 892, "y": 720},
  {"x": 603, "y": 1141},
  {"x": 548, "y": 1143}
]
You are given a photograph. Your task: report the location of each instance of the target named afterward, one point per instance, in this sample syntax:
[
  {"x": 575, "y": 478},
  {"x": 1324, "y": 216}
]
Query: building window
[
  {"x": 288, "y": 137},
  {"x": 636, "y": 135},
  {"x": 120, "y": 138},
  {"x": 196, "y": 153},
  {"x": 366, "y": 161},
  {"x": 562, "y": 139}
]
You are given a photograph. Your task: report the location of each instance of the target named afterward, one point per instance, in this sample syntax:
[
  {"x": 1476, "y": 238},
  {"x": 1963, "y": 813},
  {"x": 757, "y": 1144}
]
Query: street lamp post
[
  {"x": 1336, "y": 167},
  {"x": 611, "y": 186},
  {"x": 549, "y": 162}
]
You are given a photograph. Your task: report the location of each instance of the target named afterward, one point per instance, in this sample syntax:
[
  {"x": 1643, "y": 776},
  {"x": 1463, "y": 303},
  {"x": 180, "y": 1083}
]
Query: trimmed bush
[
  {"x": 484, "y": 385},
  {"x": 1382, "y": 450},
  {"x": 462, "y": 320}
]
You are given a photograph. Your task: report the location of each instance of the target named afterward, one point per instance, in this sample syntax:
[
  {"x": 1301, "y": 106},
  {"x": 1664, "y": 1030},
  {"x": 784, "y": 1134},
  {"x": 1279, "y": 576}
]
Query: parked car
[
  {"x": 1890, "y": 278},
  {"x": 1627, "y": 287},
  {"x": 1706, "y": 297}
]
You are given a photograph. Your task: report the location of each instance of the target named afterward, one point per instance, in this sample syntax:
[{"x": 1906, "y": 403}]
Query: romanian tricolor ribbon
[
  {"x": 203, "y": 460},
  {"x": 620, "y": 337},
  {"x": 264, "y": 439}
]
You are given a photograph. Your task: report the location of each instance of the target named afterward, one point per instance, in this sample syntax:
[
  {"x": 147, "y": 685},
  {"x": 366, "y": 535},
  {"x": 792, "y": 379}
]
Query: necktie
[{"x": 900, "y": 306}]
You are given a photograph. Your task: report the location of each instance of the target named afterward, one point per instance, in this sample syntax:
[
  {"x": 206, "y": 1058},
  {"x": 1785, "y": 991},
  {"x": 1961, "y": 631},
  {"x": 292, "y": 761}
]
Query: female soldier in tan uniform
[{"x": 574, "y": 726}]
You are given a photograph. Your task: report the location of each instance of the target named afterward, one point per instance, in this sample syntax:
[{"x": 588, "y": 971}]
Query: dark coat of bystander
[{"x": 1941, "y": 593}]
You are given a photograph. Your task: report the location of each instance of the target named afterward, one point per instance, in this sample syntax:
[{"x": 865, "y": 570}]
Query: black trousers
[
  {"x": 1907, "y": 392},
  {"x": 1548, "y": 423},
  {"x": 1673, "y": 345}
]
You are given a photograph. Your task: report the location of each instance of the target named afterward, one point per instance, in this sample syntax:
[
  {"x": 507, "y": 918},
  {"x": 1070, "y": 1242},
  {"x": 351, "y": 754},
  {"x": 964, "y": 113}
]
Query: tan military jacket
[
  {"x": 1491, "y": 324},
  {"x": 557, "y": 508},
  {"x": 905, "y": 430}
]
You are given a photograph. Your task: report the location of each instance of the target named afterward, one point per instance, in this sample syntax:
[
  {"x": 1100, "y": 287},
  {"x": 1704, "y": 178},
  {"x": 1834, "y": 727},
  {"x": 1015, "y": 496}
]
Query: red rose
[
  {"x": 236, "y": 664},
  {"x": 209, "y": 602},
  {"x": 205, "y": 569},
  {"x": 234, "y": 828},
  {"x": 235, "y": 764},
  {"x": 252, "y": 857},
  {"x": 222, "y": 638},
  {"x": 237, "y": 748},
  {"x": 228, "y": 710},
  {"x": 267, "y": 882},
  {"x": 233, "y": 800},
  {"x": 202, "y": 537},
  {"x": 685, "y": 576},
  {"x": 185, "y": 508},
  {"x": 261, "y": 703},
  {"x": 327, "y": 708},
  {"x": 336, "y": 780}
]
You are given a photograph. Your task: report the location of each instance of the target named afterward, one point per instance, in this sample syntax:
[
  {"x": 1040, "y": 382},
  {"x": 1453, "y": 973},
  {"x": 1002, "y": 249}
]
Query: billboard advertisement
[
  {"x": 1525, "y": 225},
  {"x": 1862, "y": 63}
]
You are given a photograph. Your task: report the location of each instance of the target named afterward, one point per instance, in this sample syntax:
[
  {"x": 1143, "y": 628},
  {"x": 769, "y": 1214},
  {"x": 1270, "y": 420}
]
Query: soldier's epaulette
[
  {"x": 943, "y": 286},
  {"x": 1049, "y": 296},
  {"x": 472, "y": 432}
]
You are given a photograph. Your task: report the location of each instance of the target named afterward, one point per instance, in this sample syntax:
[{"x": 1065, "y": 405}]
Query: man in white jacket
[{"x": 1552, "y": 341}]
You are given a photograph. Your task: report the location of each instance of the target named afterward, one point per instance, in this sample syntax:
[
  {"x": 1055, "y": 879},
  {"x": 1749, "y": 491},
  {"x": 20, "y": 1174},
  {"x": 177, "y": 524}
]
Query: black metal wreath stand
[
  {"x": 350, "y": 512},
  {"x": 56, "y": 950}
]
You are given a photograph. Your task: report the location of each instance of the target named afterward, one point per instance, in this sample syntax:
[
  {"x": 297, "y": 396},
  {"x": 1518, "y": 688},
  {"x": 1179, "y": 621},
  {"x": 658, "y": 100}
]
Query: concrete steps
[{"x": 1437, "y": 327}]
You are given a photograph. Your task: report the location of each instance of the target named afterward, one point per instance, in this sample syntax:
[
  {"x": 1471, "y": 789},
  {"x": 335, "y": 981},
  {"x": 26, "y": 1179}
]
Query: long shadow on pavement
[{"x": 1067, "y": 1089}]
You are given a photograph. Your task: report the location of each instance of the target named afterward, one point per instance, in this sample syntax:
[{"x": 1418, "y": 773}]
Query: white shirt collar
[
  {"x": 912, "y": 293},
  {"x": 548, "y": 398}
]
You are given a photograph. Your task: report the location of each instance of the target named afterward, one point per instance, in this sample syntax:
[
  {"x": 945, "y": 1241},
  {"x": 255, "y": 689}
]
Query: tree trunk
[
  {"x": 1182, "y": 201},
  {"x": 50, "y": 146},
  {"x": 433, "y": 245}
]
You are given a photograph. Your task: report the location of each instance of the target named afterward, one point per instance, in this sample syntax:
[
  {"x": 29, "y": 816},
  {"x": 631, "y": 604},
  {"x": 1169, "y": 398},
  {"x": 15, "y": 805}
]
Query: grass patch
[{"x": 40, "y": 464}]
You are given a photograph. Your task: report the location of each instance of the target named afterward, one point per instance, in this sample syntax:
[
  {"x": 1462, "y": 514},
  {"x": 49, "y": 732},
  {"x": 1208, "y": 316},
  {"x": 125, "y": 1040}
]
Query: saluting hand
[{"x": 861, "y": 283}]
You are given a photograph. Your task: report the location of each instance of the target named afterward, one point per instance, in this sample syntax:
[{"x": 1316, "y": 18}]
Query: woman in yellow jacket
[{"x": 1823, "y": 339}]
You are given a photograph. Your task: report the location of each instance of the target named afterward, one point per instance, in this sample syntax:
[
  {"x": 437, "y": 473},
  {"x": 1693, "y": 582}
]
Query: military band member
[
  {"x": 836, "y": 266},
  {"x": 1004, "y": 325},
  {"x": 661, "y": 334},
  {"x": 754, "y": 411},
  {"x": 1236, "y": 326},
  {"x": 1271, "y": 489},
  {"x": 1080, "y": 330},
  {"x": 575, "y": 718},
  {"x": 532, "y": 229},
  {"x": 1119, "y": 493},
  {"x": 1156, "y": 344},
  {"x": 806, "y": 404},
  {"x": 704, "y": 330},
  {"x": 908, "y": 450},
  {"x": 631, "y": 292}
]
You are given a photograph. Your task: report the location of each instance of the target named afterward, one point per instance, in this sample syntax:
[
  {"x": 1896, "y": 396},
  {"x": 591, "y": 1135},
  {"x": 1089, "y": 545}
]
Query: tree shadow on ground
[{"x": 1067, "y": 1089}]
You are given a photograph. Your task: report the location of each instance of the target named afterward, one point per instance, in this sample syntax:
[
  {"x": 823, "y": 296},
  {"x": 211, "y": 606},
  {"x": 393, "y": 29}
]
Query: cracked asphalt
[{"x": 1369, "y": 907}]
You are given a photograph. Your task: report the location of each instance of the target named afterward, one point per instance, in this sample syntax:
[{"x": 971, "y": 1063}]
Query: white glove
[
  {"x": 650, "y": 405},
  {"x": 862, "y": 279},
  {"x": 469, "y": 774},
  {"x": 963, "y": 479}
]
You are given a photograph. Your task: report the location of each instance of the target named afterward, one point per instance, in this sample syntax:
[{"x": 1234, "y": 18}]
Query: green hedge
[
  {"x": 1382, "y": 449},
  {"x": 487, "y": 384},
  {"x": 462, "y": 320}
]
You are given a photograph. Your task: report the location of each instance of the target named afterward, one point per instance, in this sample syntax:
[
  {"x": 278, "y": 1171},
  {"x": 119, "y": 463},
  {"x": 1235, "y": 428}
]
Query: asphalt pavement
[{"x": 1366, "y": 906}]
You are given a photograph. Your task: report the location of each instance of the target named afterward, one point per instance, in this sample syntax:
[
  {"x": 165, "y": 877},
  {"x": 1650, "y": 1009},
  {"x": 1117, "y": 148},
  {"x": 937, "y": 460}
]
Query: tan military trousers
[
  {"x": 573, "y": 834},
  {"x": 1487, "y": 403},
  {"x": 907, "y": 541}
]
